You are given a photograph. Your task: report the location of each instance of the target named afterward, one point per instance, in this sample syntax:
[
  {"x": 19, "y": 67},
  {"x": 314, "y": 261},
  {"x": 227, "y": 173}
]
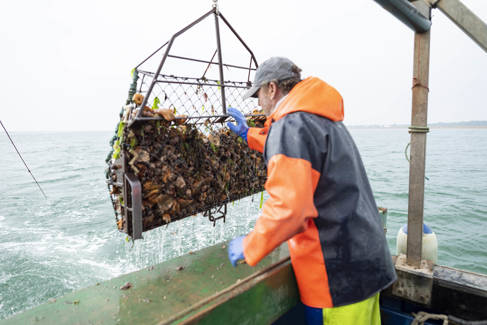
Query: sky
[{"x": 66, "y": 64}]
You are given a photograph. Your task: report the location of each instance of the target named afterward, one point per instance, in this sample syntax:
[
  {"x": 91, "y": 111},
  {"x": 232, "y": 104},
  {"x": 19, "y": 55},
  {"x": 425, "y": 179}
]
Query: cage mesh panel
[{"x": 197, "y": 96}]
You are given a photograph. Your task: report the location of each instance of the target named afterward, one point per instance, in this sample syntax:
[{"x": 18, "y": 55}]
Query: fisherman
[{"x": 320, "y": 200}]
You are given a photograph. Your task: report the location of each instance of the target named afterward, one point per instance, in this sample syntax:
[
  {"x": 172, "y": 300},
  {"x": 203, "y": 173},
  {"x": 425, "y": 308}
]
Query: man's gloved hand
[
  {"x": 241, "y": 129},
  {"x": 235, "y": 250}
]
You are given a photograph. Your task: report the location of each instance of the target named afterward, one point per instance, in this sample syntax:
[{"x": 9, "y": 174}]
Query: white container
[{"x": 429, "y": 250}]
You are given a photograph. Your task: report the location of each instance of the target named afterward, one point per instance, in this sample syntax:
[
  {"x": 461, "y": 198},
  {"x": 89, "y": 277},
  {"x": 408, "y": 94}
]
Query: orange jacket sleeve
[
  {"x": 256, "y": 138},
  {"x": 290, "y": 184}
]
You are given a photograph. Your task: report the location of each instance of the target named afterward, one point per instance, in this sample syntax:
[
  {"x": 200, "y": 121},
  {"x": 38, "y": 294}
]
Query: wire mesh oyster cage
[{"x": 172, "y": 155}]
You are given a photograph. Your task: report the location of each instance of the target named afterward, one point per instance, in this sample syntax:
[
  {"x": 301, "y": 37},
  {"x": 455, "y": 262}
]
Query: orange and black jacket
[{"x": 320, "y": 201}]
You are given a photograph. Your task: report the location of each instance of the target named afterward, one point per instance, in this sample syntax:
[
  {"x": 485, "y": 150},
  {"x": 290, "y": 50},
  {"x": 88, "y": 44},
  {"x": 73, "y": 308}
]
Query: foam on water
[{"x": 4, "y": 277}]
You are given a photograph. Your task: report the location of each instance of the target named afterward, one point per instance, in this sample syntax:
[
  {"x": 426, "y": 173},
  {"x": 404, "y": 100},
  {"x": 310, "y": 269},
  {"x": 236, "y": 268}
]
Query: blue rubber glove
[
  {"x": 235, "y": 250},
  {"x": 241, "y": 129}
]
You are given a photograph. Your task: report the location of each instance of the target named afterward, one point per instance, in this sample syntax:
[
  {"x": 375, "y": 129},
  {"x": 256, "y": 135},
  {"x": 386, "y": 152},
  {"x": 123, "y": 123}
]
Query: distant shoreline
[
  {"x": 439, "y": 125},
  {"x": 353, "y": 127},
  {"x": 405, "y": 127}
]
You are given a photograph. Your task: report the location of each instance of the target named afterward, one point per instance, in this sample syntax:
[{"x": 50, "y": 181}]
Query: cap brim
[{"x": 252, "y": 92}]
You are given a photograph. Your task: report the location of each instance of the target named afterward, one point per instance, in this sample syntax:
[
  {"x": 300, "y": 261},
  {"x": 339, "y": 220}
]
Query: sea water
[{"x": 69, "y": 241}]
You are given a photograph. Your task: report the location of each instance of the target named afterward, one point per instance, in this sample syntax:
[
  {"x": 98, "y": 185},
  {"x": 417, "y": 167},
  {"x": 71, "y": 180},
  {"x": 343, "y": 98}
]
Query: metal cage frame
[
  {"x": 222, "y": 84},
  {"x": 131, "y": 207}
]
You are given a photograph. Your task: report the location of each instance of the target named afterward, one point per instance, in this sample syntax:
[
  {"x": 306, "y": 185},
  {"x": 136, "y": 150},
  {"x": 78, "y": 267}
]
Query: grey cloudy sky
[{"x": 66, "y": 64}]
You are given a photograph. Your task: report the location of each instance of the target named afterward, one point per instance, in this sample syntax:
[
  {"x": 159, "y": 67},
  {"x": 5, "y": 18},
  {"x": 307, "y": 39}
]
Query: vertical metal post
[
  {"x": 124, "y": 205},
  {"x": 220, "y": 62},
  {"x": 418, "y": 130},
  {"x": 136, "y": 205}
]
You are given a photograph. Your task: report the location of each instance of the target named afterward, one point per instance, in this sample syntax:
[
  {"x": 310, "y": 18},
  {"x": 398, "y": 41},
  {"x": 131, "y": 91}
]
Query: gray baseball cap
[{"x": 275, "y": 68}]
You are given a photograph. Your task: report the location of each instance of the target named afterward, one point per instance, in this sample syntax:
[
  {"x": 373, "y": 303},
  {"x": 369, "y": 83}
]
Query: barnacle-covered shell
[
  {"x": 165, "y": 113},
  {"x": 138, "y": 99}
]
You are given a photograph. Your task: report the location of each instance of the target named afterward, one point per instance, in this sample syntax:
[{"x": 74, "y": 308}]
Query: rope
[
  {"x": 407, "y": 158},
  {"x": 416, "y": 83},
  {"x": 418, "y": 129},
  {"x": 35, "y": 180},
  {"x": 406, "y": 152},
  {"x": 422, "y": 316}
]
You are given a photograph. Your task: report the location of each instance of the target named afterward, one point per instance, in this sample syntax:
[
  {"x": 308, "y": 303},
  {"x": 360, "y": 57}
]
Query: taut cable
[{"x": 8, "y": 135}]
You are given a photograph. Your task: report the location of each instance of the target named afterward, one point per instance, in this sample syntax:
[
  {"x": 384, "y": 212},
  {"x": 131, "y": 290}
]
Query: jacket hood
[{"x": 311, "y": 95}]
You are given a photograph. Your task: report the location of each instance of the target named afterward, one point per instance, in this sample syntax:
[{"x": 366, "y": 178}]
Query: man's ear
[{"x": 272, "y": 90}]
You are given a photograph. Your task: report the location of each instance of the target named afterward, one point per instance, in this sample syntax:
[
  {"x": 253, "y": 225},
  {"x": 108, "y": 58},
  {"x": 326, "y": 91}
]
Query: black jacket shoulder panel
[{"x": 299, "y": 135}]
